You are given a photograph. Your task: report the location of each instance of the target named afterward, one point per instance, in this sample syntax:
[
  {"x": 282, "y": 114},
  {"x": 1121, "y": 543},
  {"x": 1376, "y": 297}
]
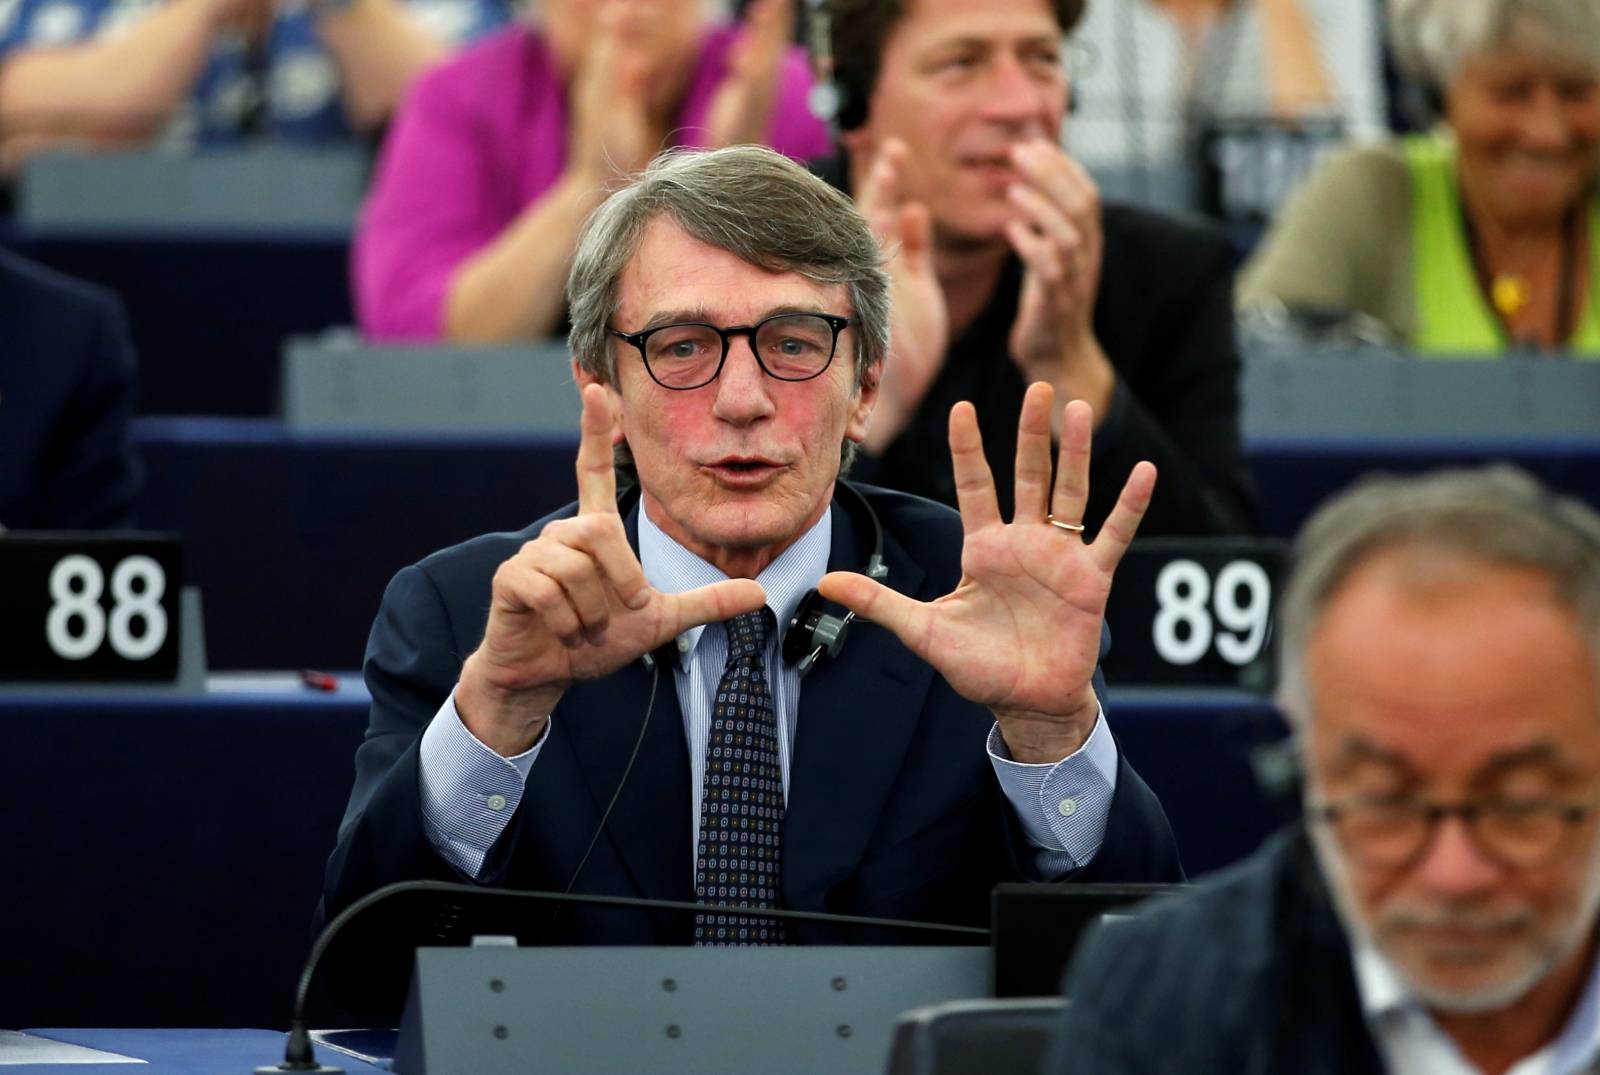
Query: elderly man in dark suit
[
  {"x": 729, "y": 324},
  {"x": 1440, "y": 911},
  {"x": 1009, "y": 270},
  {"x": 67, "y": 377}
]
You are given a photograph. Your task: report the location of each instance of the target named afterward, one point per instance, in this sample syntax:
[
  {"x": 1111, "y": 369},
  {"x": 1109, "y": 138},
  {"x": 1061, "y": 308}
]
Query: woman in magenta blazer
[{"x": 498, "y": 155}]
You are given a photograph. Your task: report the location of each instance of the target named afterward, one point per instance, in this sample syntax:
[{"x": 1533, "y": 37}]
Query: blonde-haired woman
[{"x": 1482, "y": 237}]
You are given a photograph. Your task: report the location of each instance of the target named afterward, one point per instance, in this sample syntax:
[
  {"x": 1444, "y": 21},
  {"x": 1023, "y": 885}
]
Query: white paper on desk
[{"x": 17, "y": 1048}]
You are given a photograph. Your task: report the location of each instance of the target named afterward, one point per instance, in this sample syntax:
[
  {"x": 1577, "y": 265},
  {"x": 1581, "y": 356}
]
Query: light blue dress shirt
[{"x": 469, "y": 792}]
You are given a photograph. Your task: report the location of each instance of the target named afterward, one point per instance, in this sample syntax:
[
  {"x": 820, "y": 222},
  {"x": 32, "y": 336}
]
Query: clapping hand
[
  {"x": 573, "y": 604},
  {"x": 1020, "y": 633},
  {"x": 920, "y": 327},
  {"x": 612, "y": 130},
  {"x": 1057, "y": 234},
  {"x": 741, "y": 110}
]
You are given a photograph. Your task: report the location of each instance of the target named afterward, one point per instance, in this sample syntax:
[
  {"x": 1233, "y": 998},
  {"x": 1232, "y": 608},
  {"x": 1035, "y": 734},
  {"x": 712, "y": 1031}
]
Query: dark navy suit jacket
[
  {"x": 1249, "y": 973},
  {"x": 893, "y": 808},
  {"x": 66, "y": 397}
]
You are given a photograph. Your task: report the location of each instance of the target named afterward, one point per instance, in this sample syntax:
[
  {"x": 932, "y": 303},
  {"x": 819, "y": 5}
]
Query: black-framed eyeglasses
[
  {"x": 789, "y": 347},
  {"x": 1513, "y": 833}
]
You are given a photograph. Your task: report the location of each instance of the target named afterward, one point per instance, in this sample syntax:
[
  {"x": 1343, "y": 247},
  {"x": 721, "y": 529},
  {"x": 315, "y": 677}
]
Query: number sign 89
[{"x": 1187, "y": 604}]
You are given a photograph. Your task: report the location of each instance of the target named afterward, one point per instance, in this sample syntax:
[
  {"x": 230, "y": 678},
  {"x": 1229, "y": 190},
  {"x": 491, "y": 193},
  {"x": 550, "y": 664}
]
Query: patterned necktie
[{"x": 741, "y": 810}]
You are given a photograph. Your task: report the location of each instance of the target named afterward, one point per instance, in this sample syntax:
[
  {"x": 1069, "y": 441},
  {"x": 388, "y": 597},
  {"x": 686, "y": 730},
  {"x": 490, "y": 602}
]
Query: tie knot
[{"x": 747, "y": 633}]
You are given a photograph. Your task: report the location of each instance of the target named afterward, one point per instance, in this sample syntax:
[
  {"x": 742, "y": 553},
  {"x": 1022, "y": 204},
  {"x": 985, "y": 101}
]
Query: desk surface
[{"x": 177, "y": 1052}]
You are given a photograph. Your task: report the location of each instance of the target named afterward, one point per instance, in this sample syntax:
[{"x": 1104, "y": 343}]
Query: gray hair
[
  {"x": 1496, "y": 514},
  {"x": 752, "y": 202},
  {"x": 1431, "y": 38}
]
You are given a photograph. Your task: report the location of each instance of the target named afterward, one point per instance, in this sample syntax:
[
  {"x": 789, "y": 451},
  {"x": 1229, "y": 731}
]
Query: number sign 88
[{"x": 137, "y": 586}]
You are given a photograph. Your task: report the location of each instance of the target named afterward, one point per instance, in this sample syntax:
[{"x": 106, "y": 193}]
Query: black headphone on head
[
  {"x": 837, "y": 95},
  {"x": 812, "y": 632}
]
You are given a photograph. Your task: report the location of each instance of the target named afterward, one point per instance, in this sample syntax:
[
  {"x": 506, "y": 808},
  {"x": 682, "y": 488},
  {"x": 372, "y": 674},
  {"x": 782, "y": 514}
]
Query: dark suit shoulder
[
  {"x": 929, "y": 533},
  {"x": 1149, "y": 239},
  {"x": 42, "y": 292},
  {"x": 1217, "y": 914},
  {"x": 475, "y": 560},
  {"x": 1223, "y": 968}
]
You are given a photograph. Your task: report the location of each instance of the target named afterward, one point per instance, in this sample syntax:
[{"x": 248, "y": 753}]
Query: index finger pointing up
[{"x": 597, "y": 480}]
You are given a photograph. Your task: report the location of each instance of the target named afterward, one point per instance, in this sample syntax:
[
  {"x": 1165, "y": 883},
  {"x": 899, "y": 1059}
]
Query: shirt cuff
[
  {"x": 468, "y": 791},
  {"x": 1062, "y": 806}
]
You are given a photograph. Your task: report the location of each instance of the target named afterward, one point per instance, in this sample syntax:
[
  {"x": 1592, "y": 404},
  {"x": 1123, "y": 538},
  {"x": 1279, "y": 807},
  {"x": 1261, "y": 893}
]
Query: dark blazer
[
  {"x": 1248, "y": 973},
  {"x": 66, "y": 398},
  {"x": 893, "y": 806},
  {"x": 1164, "y": 317}
]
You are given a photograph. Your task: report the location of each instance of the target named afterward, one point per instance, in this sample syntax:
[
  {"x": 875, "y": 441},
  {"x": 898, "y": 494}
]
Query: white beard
[{"x": 1560, "y": 944}]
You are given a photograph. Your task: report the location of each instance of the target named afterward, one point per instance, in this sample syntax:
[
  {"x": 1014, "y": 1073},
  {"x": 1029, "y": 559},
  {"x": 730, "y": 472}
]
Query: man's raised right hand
[{"x": 573, "y": 604}]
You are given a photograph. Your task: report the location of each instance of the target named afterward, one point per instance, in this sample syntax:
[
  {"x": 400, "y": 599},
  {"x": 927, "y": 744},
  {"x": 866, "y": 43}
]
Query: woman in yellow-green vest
[{"x": 1482, "y": 237}]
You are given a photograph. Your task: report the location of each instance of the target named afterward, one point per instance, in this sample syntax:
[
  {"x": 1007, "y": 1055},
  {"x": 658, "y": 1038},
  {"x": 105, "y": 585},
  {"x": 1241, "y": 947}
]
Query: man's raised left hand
[{"x": 1021, "y": 632}]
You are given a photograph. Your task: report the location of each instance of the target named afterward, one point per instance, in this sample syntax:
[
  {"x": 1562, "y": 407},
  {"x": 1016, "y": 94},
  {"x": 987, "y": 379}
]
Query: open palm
[{"x": 1020, "y": 633}]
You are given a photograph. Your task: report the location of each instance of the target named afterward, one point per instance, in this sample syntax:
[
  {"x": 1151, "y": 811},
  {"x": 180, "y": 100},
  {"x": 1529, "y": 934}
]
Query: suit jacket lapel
[
  {"x": 650, "y": 825},
  {"x": 856, "y": 718}
]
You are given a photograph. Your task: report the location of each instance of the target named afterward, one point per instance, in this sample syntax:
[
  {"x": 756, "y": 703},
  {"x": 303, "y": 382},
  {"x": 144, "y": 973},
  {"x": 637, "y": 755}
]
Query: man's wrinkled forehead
[{"x": 672, "y": 274}]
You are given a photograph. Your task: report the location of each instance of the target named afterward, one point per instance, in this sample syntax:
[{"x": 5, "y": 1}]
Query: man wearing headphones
[
  {"x": 616, "y": 701},
  {"x": 1008, "y": 270}
]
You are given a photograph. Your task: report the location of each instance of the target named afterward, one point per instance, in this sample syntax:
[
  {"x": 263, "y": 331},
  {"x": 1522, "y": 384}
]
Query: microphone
[{"x": 298, "y": 1054}]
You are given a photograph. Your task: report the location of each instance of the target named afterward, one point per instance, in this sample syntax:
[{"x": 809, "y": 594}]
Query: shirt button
[
  {"x": 1068, "y": 807},
  {"x": 498, "y": 802}
]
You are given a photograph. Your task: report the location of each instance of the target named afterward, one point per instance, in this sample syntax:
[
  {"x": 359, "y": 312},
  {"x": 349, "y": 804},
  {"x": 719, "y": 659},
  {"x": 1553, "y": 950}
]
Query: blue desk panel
[
  {"x": 209, "y": 312},
  {"x": 1293, "y": 476},
  {"x": 165, "y": 855},
  {"x": 292, "y": 538}
]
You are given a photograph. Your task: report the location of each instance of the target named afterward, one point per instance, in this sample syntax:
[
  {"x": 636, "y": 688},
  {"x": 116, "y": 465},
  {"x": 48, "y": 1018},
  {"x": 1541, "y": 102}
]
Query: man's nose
[
  {"x": 1015, "y": 94},
  {"x": 1454, "y": 865},
  {"x": 743, "y": 389}
]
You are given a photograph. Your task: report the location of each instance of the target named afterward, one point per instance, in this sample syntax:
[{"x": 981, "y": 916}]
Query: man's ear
[
  {"x": 866, "y": 400},
  {"x": 584, "y": 379}
]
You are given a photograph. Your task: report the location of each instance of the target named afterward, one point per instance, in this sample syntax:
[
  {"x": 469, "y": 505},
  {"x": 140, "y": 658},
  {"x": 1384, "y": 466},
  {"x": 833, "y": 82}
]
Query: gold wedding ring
[{"x": 1071, "y": 528}]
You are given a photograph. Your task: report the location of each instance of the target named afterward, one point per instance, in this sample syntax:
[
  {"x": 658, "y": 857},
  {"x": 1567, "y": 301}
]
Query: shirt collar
[
  {"x": 671, "y": 568},
  {"x": 1382, "y": 991},
  {"x": 1384, "y": 995}
]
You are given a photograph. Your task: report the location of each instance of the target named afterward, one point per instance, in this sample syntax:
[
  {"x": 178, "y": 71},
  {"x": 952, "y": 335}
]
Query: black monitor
[{"x": 1036, "y": 927}]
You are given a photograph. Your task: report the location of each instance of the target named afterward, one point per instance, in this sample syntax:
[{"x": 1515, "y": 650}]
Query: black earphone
[
  {"x": 837, "y": 97},
  {"x": 810, "y": 634}
]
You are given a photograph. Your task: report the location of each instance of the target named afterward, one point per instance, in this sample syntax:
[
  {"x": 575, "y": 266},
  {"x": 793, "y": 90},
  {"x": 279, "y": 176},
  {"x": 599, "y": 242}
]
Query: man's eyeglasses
[
  {"x": 1513, "y": 833},
  {"x": 789, "y": 347}
]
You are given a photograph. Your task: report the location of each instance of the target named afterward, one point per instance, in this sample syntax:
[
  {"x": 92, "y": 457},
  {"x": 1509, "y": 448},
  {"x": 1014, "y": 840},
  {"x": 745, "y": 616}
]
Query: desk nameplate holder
[
  {"x": 1196, "y": 614},
  {"x": 90, "y": 612},
  {"x": 190, "y": 681},
  {"x": 225, "y": 191},
  {"x": 1300, "y": 393},
  {"x": 336, "y": 385},
  {"x": 671, "y": 1011}
]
